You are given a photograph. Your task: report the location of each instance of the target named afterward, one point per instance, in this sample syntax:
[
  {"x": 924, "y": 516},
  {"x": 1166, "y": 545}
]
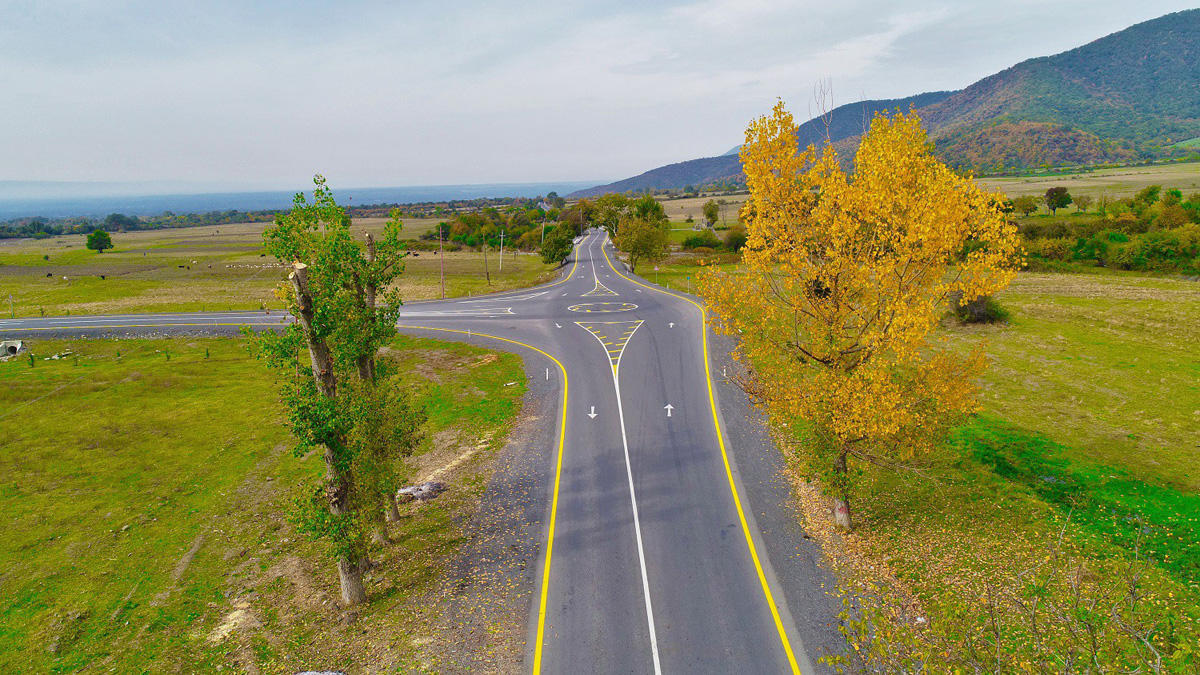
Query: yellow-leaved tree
[{"x": 846, "y": 276}]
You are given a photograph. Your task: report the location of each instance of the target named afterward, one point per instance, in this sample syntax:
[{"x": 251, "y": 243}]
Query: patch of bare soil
[{"x": 433, "y": 364}]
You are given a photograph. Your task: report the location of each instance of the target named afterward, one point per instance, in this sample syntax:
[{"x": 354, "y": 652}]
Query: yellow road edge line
[
  {"x": 562, "y": 437},
  {"x": 712, "y": 403}
]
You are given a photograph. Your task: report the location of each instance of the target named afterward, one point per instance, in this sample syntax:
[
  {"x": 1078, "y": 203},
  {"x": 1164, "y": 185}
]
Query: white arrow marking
[
  {"x": 592, "y": 414},
  {"x": 722, "y": 371},
  {"x": 671, "y": 324},
  {"x": 557, "y": 325},
  {"x": 668, "y": 407},
  {"x": 547, "y": 373}
]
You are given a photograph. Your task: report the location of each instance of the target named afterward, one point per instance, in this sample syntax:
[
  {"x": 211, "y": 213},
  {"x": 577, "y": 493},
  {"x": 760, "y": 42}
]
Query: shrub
[
  {"x": 735, "y": 239},
  {"x": 1172, "y": 216},
  {"x": 1092, "y": 249},
  {"x": 1170, "y": 250},
  {"x": 1056, "y": 249},
  {"x": 1056, "y": 230},
  {"x": 705, "y": 239},
  {"x": 703, "y": 250},
  {"x": 1032, "y": 230},
  {"x": 983, "y": 309},
  {"x": 1130, "y": 223}
]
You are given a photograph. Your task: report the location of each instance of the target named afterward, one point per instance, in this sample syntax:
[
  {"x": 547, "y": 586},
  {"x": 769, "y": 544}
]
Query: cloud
[{"x": 374, "y": 92}]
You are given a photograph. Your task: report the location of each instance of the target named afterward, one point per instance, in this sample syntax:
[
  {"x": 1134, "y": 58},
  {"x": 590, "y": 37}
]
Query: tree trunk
[
  {"x": 393, "y": 511},
  {"x": 337, "y": 483},
  {"x": 366, "y": 363},
  {"x": 319, "y": 351},
  {"x": 379, "y": 529},
  {"x": 350, "y": 576},
  {"x": 841, "y": 503}
]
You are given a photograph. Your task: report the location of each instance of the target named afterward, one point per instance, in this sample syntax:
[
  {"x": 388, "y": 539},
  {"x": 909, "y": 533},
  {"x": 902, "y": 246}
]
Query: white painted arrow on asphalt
[
  {"x": 557, "y": 325},
  {"x": 668, "y": 407},
  {"x": 671, "y": 324},
  {"x": 592, "y": 414}
]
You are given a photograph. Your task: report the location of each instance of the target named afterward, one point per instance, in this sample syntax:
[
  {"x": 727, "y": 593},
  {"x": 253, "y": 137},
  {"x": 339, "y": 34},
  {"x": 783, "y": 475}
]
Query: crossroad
[{"x": 652, "y": 559}]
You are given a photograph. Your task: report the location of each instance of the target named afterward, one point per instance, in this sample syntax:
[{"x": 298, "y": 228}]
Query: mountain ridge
[{"x": 1128, "y": 95}]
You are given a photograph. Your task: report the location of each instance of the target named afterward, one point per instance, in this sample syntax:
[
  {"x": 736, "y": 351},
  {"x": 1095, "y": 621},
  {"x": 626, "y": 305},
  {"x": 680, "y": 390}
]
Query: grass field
[
  {"x": 679, "y": 209},
  {"x": 1116, "y": 182},
  {"x": 158, "y": 540},
  {"x": 206, "y": 268},
  {"x": 1083, "y": 466},
  {"x": 1086, "y": 458}
]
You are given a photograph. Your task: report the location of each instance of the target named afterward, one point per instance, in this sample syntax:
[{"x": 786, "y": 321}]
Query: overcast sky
[{"x": 263, "y": 94}]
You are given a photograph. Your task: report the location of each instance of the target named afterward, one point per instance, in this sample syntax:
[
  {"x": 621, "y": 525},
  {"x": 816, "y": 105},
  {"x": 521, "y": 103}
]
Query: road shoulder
[
  {"x": 489, "y": 592},
  {"x": 796, "y": 560}
]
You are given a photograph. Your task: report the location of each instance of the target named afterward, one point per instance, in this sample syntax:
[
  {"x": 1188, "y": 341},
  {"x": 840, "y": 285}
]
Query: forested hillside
[{"x": 1131, "y": 95}]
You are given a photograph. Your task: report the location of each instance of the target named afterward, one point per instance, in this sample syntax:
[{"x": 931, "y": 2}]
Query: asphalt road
[{"x": 654, "y": 560}]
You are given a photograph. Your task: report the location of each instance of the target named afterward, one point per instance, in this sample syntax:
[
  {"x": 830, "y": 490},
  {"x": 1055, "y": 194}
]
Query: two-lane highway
[{"x": 652, "y": 559}]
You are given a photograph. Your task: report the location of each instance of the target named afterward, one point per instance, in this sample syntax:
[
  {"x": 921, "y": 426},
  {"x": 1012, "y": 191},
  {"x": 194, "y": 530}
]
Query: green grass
[
  {"x": 1102, "y": 365},
  {"x": 1084, "y": 459},
  {"x": 680, "y": 272},
  {"x": 1161, "y": 522},
  {"x": 120, "y": 458},
  {"x": 205, "y": 268},
  {"x": 1190, "y": 143}
]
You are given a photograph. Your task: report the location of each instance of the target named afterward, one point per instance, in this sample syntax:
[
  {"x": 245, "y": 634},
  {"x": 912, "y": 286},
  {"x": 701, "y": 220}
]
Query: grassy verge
[
  {"x": 679, "y": 272},
  {"x": 1059, "y": 526},
  {"x": 206, "y": 268},
  {"x": 147, "y": 485}
]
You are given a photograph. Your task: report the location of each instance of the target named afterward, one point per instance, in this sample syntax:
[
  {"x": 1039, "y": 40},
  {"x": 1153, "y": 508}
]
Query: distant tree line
[
  {"x": 1154, "y": 230},
  {"x": 38, "y": 227}
]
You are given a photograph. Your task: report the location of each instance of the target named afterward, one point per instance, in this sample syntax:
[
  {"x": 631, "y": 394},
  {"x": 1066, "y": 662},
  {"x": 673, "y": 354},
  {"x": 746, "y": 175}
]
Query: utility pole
[
  {"x": 501, "y": 252},
  {"x": 486, "y": 272},
  {"x": 442, "y": 260}
]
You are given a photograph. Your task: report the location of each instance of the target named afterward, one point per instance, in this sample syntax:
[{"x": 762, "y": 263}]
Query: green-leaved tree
[
  {"x": 712, "y": 211},
  {"x": 339, "y": 398},
  {"x": 558, "y": 244},
  {"x": 642, "y": 238},
  {"x": 1057, "y": 198},
  {"x": 1026, "y": 204},
  {"x": 99, "y": 240}
]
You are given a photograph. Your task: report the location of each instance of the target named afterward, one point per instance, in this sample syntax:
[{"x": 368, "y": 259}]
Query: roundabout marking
[{"x": 603, "y": 307}]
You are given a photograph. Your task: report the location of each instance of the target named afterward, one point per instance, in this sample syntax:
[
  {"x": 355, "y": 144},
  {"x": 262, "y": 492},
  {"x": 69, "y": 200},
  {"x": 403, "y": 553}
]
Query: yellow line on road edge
[
  {"x": 712, "y": 403},
  {"x": 562, "y": 436}
]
